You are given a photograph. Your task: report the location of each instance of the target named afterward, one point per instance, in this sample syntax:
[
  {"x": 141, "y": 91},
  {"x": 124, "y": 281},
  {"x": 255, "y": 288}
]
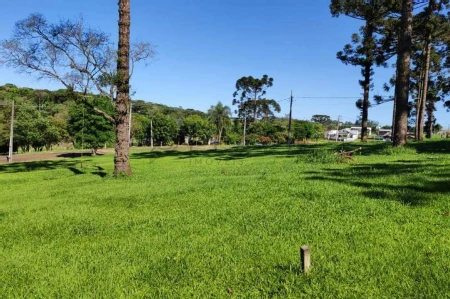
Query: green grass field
[{"x": 229, "y": 223}]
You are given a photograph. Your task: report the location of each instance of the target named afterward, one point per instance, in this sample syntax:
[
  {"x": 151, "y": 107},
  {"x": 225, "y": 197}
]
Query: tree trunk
[
  {"x": 403, "y": 74},
  {"x": 254, "y": 108},
  {"x": 418, "y": 103},
  {"x": 430, "y": 120},
  {"x": 245, "y": 128},
  {"x": 367, "y": 74},
  {"x": 421, "y": 106},
  {"x": 394, "y": 111},
  {"x": 220, "y": 134},
  {"x": 421, "y": 112},
  {"x": 121, "y": 157}
]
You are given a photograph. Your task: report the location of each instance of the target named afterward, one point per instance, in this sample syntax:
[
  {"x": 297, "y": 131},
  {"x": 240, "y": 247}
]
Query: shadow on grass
[
  {"x": 238, "y": 153},
  {"x": 71, "y": 165},
  {"x": 36, "y": 165},
  {"x": 235, "y": 153},
  {"x": 77, "y": 155},
  {"x": 419, "y": 181}
]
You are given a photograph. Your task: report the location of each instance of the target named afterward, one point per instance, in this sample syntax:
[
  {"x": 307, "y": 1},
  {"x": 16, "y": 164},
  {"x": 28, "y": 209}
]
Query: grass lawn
[{"x": 229, "y": 223}]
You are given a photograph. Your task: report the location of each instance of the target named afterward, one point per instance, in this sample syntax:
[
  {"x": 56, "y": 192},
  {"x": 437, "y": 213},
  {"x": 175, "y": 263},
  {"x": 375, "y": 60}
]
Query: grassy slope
[{"x": 196, "y": 224}]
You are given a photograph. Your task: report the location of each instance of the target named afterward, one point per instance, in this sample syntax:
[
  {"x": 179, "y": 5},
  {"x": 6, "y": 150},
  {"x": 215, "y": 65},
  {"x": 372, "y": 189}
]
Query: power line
[{"x": 333, "y": 97}]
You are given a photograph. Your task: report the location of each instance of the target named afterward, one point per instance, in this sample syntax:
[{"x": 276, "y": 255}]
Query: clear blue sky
[{"x": 204, "y": 46}]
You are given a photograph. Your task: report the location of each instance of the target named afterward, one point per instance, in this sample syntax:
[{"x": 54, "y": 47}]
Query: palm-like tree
[{"x": 220, "y": 116}]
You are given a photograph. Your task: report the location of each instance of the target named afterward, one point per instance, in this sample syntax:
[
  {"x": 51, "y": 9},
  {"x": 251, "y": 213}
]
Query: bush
[
  {"x": 232, "y": 138},
  {"x": 251, "y": 139},
  {"x": 279, "y": 138},
  {"x": 265, "y": 140}
]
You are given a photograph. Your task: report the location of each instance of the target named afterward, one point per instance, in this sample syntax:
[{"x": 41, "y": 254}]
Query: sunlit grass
[{"x": 229, "y": 222}]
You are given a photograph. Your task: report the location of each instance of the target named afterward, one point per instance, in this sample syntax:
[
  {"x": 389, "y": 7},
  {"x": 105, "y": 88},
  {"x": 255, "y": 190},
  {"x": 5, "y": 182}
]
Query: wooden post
[{"x": 305, "y": 256}]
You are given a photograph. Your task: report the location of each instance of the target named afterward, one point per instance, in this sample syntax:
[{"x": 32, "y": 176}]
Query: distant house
[
  {"x": 345, "y": 135},
  {"x": 358, "y": 130},
  {"x": 384, "y": 132}
]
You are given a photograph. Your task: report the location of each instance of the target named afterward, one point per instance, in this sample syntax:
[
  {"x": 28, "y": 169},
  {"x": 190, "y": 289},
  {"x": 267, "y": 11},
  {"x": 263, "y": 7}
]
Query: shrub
[
  {"x": 265, "y": 140},
  {"x": 279, "y": 138},
  {"x": 251, "y": 139}
]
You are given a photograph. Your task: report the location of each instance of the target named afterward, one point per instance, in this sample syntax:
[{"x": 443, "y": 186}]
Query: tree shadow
[
  {"x": 101, "y": 174},
  {"x": 18, "y": 167},
  {"x": 284, "y": 151},
  {"x": 421, "y": 181},
  {"x": 432, "y": 147},
  {"x": 235, "y": 153},
  {"x": 76, "y": 171},
  {"x": 77, "y": 155}
]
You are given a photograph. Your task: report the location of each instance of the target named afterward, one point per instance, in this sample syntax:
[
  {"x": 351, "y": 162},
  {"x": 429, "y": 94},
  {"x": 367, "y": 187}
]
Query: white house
[
  {"x": 345, "y": 135},
  {"x": 358, "y": 130}
]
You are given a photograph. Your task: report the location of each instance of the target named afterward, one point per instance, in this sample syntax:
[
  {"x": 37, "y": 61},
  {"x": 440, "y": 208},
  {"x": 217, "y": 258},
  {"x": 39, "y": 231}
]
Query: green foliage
[
  {"x": 304, "y": 130},
  {"x": 139, "y": 128},
  {"x": 197, "y": 128},
  {"x": 325, "y": 120},
  {"x": 248, "y": 91},
  {"x": 219, "y": 115},
  {"x": 88, "y": 128},
  {"x": 165, "y": 129},
  {"x": 232, "y": 138},
  {"x": 275, "y": 130}
]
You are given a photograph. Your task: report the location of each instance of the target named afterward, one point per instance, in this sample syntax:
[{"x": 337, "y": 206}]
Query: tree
[
  {"x": 325, "y": 120},
  {"x": 139, "y": 125},
  {"x": 219, "y": 115},
  {"x": 266, "y": 108},
  {"x": 165, "y": 129},
  {"x": 249, "y": 90},
  {"x": 81, "y": 58},
  {"x": 121, "y": 158},
  {"x": 304, "y": 130},
  {"x": 87, "y": 128},
  {"x": 403, "y": 74},
  {"x": 431, "y": 30},
  {"x": 197, "y": 128},
  {"x": 25, "y": 131},
  {"x": 366, "y": 49}
]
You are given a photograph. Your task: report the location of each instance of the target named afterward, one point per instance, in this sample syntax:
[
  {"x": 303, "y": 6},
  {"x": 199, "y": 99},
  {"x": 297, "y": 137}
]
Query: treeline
[{"x": 44, "y": 119}]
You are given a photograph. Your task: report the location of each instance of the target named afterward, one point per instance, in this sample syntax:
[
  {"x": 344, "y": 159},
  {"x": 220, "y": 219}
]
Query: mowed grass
[{"x": 229, "y": 223}]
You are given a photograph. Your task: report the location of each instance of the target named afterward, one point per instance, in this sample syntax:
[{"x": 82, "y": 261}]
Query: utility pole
[
  {"x": 290, "y": 120},
  {"x": 337, "y": 131},
  {"x": 129, "y": 125},
  {"x": 11, "y": 135}
]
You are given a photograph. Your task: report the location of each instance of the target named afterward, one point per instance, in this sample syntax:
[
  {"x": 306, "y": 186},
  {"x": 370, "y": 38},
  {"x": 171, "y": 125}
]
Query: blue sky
[{"x": 204, "y": 46}]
